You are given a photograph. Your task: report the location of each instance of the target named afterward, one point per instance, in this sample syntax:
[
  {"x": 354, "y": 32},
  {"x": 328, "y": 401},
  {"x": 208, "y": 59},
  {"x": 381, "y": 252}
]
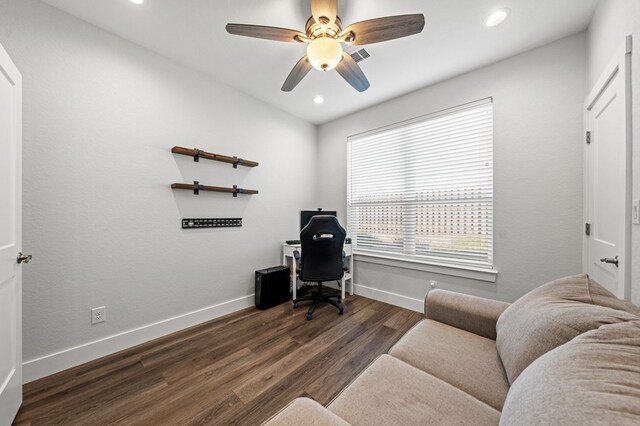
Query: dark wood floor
[{"x": 238, "y": 369}]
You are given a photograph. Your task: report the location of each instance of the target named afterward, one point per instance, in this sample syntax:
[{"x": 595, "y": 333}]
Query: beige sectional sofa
[{"x": 566, "y": 353}]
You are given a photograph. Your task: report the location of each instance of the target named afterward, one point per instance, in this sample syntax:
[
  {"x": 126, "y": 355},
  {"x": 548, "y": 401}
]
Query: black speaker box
[{"x": 272, "y": 287}]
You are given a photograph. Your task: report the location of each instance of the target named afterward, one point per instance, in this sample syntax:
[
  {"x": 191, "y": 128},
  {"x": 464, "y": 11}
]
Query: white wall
[
  {"x": 538, "y": 99},
  {"x": 612, "y": 21},
  {"x": 100, "y": 115}
]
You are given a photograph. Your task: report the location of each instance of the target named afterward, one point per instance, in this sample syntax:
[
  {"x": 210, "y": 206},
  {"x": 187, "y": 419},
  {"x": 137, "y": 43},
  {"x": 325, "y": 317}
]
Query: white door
[
  {"x": 10, "y": 239},
  {"x": 607, "y": 177}
]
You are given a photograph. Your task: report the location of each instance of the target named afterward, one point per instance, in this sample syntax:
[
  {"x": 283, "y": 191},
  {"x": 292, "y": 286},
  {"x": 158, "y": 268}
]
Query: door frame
[
  {"x": 9, "y": 71},
  {"x": 619, "y": 64}
]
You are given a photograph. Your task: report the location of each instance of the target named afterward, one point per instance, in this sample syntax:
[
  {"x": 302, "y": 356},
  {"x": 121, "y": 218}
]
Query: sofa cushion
[
  {"x": 593, "y": 379},
  {"x": 553, "y": 314},
  {"x": 462, "y": 359},
  {"x": 391, "y": 392},
  {"x": 305, "y": 411}
]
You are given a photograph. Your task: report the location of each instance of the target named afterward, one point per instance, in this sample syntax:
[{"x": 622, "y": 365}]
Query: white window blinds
[{"x": 423, "y": 189}]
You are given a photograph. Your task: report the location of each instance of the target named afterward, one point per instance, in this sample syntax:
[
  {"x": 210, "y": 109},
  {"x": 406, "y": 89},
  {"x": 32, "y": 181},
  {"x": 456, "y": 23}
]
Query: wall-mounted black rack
[
  {"x": 211, "y": 223},
  {"x": 198, "y": 153},
  {"x": 196, "y": 188}
]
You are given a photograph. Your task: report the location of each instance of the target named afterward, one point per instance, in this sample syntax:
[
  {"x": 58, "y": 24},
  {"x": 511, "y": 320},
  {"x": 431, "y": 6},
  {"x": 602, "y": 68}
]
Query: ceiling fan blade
[
  {"x": 326, "y": 8},
  {"x": 268, "y": 33},
  {"x": 383, "y": 29},
  {"x": 299, "y": 71},
  {"x": 350, "y": 71}
]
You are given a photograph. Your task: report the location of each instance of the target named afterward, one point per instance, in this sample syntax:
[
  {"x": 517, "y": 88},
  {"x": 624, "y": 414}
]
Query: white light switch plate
[{"x": 635, "y": 212}]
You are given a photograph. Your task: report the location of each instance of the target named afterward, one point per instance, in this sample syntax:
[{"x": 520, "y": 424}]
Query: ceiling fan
[{"x": 323, "y": 35}]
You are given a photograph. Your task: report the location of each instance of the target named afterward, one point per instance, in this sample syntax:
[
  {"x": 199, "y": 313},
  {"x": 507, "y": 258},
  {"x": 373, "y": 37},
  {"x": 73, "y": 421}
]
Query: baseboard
[
  {"x": 59, "y": 361},
  {"x": 391, "y": 298}
]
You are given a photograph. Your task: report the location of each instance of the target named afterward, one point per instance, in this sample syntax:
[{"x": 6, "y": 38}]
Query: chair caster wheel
[
  {"x": 309, "y": 317},
  {"x": 341, "y": 311},
  {"x": 295, "y": 306}
]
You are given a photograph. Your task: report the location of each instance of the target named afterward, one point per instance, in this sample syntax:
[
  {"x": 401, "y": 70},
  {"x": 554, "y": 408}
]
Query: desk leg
[
  {"x": 294, "y": 279},
  {"x": 352, "y": 272},
  {"x": 292, "y": 272}
]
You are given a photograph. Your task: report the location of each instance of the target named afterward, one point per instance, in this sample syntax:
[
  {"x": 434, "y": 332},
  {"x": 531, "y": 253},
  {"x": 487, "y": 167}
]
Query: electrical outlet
[
  {"x": 433, "y": 283},
  {"x": 98, "y": 315}
]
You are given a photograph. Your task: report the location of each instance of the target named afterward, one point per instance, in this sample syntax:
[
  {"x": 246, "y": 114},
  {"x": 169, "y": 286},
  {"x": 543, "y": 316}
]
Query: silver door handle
[
  {"x": 24, "y": 258},
  {"x": 613, "y": 261}
]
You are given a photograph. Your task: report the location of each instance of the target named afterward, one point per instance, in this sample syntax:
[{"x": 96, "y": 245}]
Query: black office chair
[{"x": 322, "y": 259}]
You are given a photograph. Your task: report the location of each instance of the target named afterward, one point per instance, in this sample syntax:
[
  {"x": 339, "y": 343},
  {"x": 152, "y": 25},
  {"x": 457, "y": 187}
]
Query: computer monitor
[{"x": 306, "y": 215}]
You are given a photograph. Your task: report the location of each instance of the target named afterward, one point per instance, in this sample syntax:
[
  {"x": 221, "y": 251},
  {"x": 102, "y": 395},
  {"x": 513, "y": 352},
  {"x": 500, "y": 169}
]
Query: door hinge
[
  {"x": 587, "y": 229},
  {"x": 588, "y": 138}
]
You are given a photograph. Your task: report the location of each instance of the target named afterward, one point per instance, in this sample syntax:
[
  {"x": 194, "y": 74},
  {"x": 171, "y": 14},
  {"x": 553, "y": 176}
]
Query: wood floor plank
[
  {"x": 238, "y": 369},
  {"x": 293, "y": 361}
]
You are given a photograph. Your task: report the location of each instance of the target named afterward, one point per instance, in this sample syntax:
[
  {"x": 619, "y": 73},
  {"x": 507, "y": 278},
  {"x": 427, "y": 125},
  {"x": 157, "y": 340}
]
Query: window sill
[{"x": 480, "y": 274}]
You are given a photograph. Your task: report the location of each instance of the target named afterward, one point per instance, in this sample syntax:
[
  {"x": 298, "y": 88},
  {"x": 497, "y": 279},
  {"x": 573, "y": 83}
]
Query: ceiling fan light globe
[{"x": 324, "y": 53}]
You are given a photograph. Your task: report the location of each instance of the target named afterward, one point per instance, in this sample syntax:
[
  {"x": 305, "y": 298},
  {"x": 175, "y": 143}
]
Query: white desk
[{"x": 287, "y": 252}]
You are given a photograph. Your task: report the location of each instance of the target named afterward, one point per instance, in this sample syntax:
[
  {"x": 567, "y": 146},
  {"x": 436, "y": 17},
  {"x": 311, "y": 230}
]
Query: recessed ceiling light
[
  {"x": 497, "y": 17},
  {"x": 137, "y": 1},
  {"x": 318, "y": 100}
]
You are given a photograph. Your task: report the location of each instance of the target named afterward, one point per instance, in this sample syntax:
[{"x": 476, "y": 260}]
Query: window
[{"x": 422, "y": 190}]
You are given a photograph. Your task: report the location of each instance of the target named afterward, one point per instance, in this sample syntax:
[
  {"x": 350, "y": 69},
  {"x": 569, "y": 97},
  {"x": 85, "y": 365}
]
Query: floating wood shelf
[
  {"x": 198, "y": 153},
  {"x": 196, "y": 188}
]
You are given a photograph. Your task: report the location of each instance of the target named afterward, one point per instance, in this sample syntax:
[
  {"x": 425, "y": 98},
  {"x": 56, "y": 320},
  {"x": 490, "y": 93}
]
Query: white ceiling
[{"x": 454, "y": 41}]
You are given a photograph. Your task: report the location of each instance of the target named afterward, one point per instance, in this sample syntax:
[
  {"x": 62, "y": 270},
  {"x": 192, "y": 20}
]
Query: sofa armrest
[
  {"x": 474, "y": 314},
  {"x": 305, "y": 411}
]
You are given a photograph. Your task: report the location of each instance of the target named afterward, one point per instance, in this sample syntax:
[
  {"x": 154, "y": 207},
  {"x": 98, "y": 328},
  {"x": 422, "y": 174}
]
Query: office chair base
[
  {"x": 316, "y": 298},
  {"x": 300, "y": 299}
]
